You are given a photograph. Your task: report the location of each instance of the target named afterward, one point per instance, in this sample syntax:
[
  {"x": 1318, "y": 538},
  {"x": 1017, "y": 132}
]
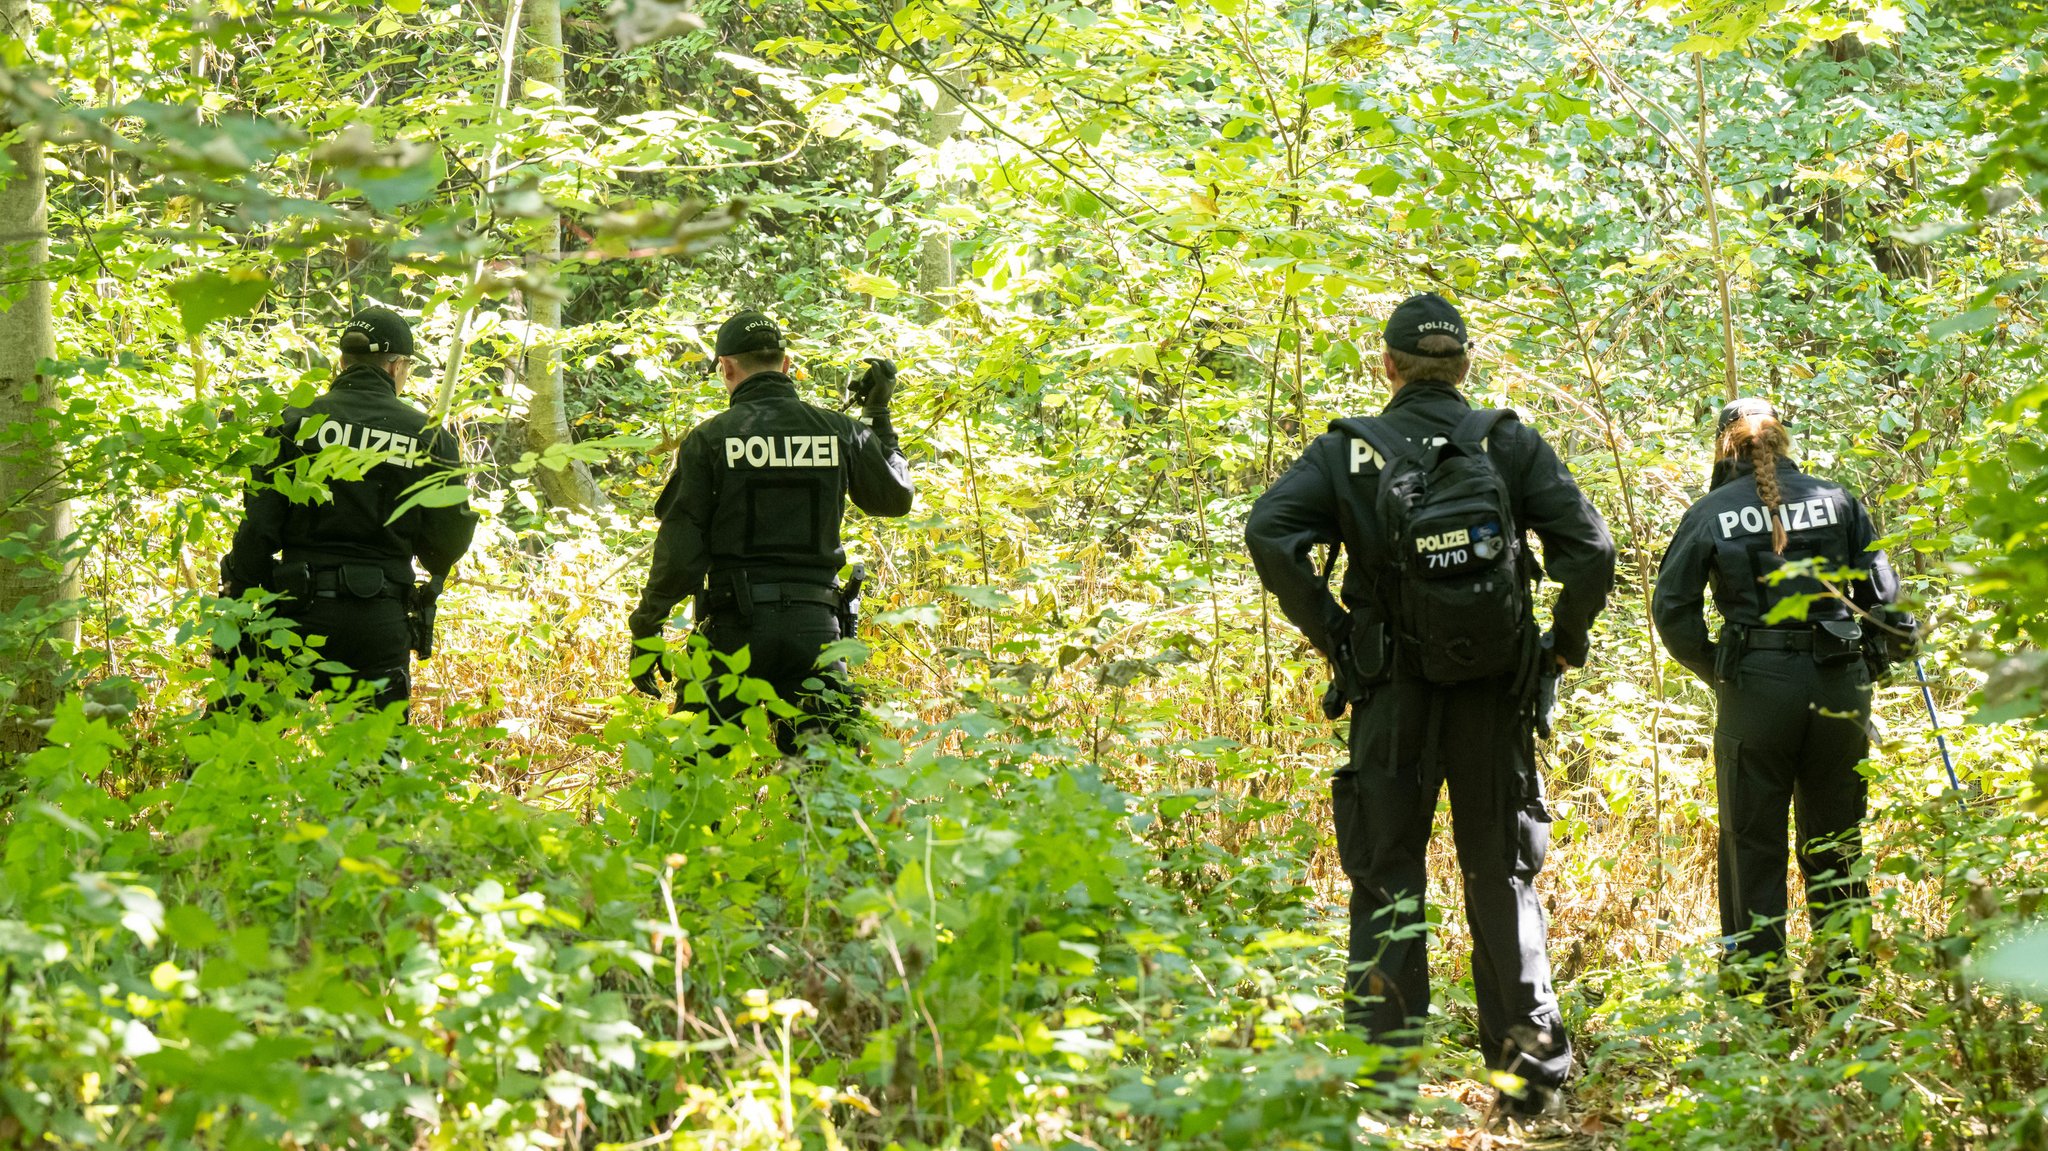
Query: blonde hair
[{"x": 1761, "y": 440}]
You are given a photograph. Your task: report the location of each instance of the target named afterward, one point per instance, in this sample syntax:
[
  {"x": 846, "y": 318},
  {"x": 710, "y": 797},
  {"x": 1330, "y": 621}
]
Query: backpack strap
[
  {"x": 1478, "y": 425},
  {"x": 1385, "y": 443}
]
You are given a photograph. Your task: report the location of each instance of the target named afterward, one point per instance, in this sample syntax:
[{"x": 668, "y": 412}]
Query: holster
[
  {"x": 849, "y": 601},
  {"x": 1535, "y": 684},
  {"x": 421, "y": 605},
  {"x": 1894, "y": 640},
  {"x": 1337, "y": 696},
  {"x": 1837, "y": 642},
  {"x": 742, "y": 592},
  {"x": 1359, "y": 664},
  {"x": 1728, "y": 652}
]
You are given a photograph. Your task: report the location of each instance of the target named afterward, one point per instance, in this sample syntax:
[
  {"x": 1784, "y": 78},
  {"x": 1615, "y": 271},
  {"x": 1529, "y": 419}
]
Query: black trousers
[
  {"x": 366, "y": 641},
  {"x": 1788, "y": 736},
  {"x": 783, "y": 640},
  {"x": 367, "y": 636},
  {"x": 1407, "y": 741}
]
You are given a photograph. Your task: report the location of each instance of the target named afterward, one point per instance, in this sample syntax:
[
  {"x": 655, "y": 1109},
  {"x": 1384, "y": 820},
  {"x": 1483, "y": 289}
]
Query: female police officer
[{"x": 1793, "y": 692}]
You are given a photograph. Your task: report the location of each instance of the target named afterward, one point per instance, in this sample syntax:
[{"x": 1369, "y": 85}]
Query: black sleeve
[
  {"x": 681, "y": 556},
  {"x": 1881, "y": 585},
  {"x": 1679, "y": 604},
  {"x": 1298, "y": 512},
  {"x": 260, "y": 535},
  {"x": 877, "y": 477},
  {"x": 1577, "y": 551},
  {"x": 445, "y": 532}
]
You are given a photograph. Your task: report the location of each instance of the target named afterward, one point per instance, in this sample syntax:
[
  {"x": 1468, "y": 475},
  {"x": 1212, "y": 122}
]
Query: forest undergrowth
[{"x": 1049, "y": 906}]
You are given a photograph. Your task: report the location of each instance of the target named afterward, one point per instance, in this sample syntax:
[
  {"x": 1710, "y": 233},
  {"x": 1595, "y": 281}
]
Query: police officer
[
  {"x": 344, "y": 564},
  {"x": 1793, "y": 694},
  {"x": 750, "y": 517},
  {"x": 1409, "y": 734}
]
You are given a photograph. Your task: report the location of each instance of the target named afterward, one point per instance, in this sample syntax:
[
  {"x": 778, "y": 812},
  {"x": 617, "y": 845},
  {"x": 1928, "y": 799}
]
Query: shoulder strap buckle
[{"x": 1478, "y": 425}]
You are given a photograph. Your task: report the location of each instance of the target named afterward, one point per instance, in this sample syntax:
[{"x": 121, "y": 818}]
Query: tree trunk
[
  {"x": 935, "y": 262},
  {"x": 547, "y": 415},
  {"x": 1708, "y": 191},
  {"x": 38, "y": 584}
]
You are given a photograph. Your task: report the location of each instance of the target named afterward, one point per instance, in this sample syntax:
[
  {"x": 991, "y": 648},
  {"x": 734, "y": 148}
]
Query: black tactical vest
[
  {"x": 1821, "y": 520},
  {"x": 372, "y": 452}
]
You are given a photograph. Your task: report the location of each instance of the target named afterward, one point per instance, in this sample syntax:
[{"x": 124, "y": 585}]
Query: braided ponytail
[{"x": 1761, "y": 440}]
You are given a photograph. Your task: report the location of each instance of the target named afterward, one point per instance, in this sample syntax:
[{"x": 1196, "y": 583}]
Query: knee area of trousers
[{"x": 1495, "y": 879}]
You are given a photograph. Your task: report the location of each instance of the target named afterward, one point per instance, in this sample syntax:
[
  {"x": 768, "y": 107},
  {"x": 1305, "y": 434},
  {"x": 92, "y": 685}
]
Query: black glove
[
  {"x": 876, "y": 385},
  {"x": 1574, "y": 654},
  {"x": 648, "y": 650}
]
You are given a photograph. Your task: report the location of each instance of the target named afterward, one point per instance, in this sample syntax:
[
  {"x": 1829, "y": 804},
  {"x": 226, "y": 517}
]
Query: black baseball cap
[
  {"x": 749, "y": 331},
  {"x": 1426, "y": 314},
  {"x": 377, "y": 330},
  {"x": 1742, "y": 409}
]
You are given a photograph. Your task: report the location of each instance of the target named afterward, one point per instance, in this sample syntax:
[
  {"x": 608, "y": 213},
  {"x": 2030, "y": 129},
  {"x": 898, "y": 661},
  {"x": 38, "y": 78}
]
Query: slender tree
[
  {"x": 547, "y": 416},
  {"x": 935, "y": 256},
  {"x": 36, "y": 576}
]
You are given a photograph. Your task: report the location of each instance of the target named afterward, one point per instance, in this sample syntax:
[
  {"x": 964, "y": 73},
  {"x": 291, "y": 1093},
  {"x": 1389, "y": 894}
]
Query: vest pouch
[
  {"x": 363, "y": 581},
  {"x": 292, "y": 580},
  {"x": 1837, "y": 642}
]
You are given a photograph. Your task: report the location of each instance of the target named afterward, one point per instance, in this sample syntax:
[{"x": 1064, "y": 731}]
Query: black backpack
[{"x": 1459, "y": 600}]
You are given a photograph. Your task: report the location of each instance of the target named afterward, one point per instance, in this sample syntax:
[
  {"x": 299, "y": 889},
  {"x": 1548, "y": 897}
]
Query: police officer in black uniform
[
  {"x": 750, "y": 518},
  {"x": 1793, "y": 693},
  {"x": 1408, "y": 735},
  {"x": 344, "y": 564}
]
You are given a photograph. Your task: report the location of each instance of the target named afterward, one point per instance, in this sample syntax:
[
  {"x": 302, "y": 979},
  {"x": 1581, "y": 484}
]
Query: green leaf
[
  {"x": 208, "y": 296},
  {"x": 391, "y": 188},
  {"x": 2027, "y": 456},
  {"x": 190, "y": 927},
  {"x": 1967, "y": 322},
  {"x": 431, "y": 494},
  {"x": 983, "y": 597},
  {"x": 869, "y": 284},
  {"x": 1081, "y": 202},
  {"x": 2019, "y": 965},
  {"x": 923, "y": 614}
]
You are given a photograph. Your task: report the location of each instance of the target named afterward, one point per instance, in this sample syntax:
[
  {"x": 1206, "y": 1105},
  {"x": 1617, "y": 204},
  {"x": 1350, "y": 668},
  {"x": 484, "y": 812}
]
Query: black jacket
[
  {"x": 1322, "y": 500},
  {"x": 1725, "y": 541},
  {"x": 361, "y": 416},
  {"x": 762, "y": 487}
]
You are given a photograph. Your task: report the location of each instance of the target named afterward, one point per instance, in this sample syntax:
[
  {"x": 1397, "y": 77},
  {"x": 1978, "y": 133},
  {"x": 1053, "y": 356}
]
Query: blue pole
[{"x": 1927, "y": 697}]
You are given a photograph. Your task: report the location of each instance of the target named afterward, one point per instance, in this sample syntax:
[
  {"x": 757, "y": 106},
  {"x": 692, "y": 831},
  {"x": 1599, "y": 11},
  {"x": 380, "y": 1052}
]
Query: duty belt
[
  {"x": 1778, "y": 639},
  {"x": 795, "y": 593},
  {"x": 326, "y": 583},
  {"x": 745, "y": 595}
]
